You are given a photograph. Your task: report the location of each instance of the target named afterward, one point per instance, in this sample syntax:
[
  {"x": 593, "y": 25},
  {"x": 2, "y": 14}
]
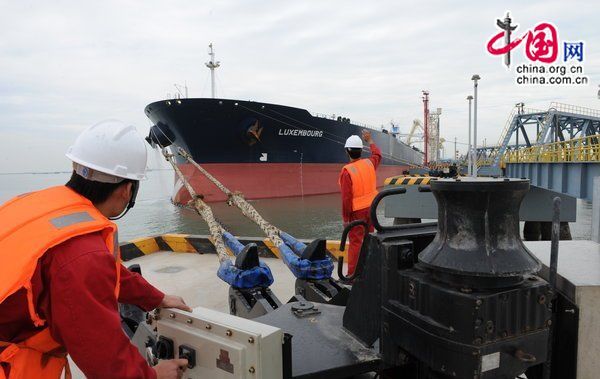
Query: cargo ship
[{"x": 264, "y": 150}]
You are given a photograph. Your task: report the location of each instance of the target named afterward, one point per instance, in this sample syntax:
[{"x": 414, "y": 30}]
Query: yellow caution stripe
[
  {"x": 227, "y": 249},
  {"x": 333, "y": 248},
  {"x": 179, "y": 243},
  {"x": 146, "y": 245},
  {"x": 404, "y": 180},
  {"x": 271, "y": 246},
  {"x": 186, "y": 243}
]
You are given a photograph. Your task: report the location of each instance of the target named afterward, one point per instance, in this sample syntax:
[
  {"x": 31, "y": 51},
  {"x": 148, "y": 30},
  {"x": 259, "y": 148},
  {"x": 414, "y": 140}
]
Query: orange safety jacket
[
  {"x": 364, "y": 183},
  {"x": 30, "y": 224}
]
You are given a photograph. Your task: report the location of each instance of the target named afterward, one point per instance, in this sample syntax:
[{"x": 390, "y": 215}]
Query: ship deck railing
[{"x": 334, "y": 117}]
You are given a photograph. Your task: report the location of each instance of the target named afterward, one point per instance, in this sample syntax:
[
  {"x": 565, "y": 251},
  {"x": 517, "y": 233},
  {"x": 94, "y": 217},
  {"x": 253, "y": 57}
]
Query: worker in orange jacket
[
  {"x": 358, "y": 184},
  {"x": 61, "y": 276}
]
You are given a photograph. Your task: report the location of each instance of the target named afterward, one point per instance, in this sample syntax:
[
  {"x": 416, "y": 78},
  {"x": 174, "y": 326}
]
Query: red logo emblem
[{"x": 541, "y": 42}]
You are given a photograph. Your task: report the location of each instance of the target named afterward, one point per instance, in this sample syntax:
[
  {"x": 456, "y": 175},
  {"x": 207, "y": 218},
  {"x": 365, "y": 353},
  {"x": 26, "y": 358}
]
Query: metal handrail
[
  {"x": 506, "y": 127},
  {"x": 583, "y": 149},
  {"x": 568, "y": 108},
  {"x": 334, "y": 118},
  {"x": 541, "y": 151},
  {"x": 514, "y": 113}
]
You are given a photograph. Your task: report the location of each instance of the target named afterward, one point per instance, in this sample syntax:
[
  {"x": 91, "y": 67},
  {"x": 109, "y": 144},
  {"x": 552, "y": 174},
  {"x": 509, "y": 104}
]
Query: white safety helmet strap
[{"x": 95, "y": 175}]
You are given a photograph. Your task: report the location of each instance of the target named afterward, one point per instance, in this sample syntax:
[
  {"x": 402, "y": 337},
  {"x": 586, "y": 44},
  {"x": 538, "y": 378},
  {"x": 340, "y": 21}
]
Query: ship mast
[{"x": 212, "y": 65}]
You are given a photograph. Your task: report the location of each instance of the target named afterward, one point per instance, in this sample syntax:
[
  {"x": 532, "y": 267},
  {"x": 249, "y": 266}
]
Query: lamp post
[
  {"x": 470, "y": 151},
  {"x": 520, "y": 106},
  {"x": 455, "y": 150},
  {"x": 426, "y": 126},
  {"x": 475, "y": 78}
]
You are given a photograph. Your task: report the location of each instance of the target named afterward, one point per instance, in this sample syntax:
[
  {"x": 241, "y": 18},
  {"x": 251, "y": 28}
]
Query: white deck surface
[
  {"x": 578, "y": 260},
  {"x": 194, "y": 277},
  {"x": 579, "y": 264}
]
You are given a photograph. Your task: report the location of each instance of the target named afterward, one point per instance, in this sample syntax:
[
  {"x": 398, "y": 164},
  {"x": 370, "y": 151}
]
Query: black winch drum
[{"x": 478, "y": 242}]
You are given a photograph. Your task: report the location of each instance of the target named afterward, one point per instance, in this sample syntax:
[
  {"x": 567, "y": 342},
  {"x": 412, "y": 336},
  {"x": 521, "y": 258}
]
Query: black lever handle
[
  {"x": 347, "y": 230},
  {"x": 380, "y": 196}
]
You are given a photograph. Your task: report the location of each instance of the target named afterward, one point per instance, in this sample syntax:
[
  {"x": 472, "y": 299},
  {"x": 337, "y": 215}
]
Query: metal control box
[{"x": 223, "y": 346}]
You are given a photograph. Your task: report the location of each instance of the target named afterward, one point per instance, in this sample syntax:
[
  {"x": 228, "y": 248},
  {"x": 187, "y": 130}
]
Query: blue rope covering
[
  {"x": 296, "y": 246},
  {"x": 260, "y": 276},
  {"x": 303, "y": 268},
  {"x": 232, "y": 243}
]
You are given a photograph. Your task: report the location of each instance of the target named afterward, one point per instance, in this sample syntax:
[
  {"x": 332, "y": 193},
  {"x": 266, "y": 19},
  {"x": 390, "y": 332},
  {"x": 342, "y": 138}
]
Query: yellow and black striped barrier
[
  {"x": 199, "y": 244},
  {"x": 405, "y": 180}
]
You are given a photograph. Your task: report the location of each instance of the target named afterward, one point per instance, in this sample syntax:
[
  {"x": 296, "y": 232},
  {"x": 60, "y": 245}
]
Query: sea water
[{"x": 154, "y": 213}]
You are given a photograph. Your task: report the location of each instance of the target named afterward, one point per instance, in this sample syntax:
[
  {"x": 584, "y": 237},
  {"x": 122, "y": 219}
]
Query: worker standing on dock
[
  {"x": 62, "y": 277},
  {"x": 358, "y": 183}
]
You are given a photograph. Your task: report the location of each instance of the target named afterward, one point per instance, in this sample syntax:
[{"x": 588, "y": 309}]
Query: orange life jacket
[
  {"x": 364, "y": 183},
  {"x": 30, "y": 224}
]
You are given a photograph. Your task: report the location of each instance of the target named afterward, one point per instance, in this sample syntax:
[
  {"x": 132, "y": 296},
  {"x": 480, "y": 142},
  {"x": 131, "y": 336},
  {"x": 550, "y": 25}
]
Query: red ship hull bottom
[{"x": 268, "y": 180}]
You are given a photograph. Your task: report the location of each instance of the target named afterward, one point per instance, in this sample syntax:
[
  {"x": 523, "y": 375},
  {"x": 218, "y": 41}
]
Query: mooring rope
[
  {"x": 237, "y": 199},
  {"x": 215, "y": 229}
]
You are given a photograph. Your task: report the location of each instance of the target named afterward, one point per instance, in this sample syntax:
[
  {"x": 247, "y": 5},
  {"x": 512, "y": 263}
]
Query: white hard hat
[
  {"x": 112, "y": 148},
  {"x": 354, "y": 142}
]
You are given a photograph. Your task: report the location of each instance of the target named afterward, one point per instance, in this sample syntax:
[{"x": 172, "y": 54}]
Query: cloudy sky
[{"x": 66, "y": 65}]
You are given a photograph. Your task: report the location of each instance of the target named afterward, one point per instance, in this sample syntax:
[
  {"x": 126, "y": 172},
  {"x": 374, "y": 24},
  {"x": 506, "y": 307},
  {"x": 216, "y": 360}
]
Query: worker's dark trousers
[{"x": 356, "y": 237}]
